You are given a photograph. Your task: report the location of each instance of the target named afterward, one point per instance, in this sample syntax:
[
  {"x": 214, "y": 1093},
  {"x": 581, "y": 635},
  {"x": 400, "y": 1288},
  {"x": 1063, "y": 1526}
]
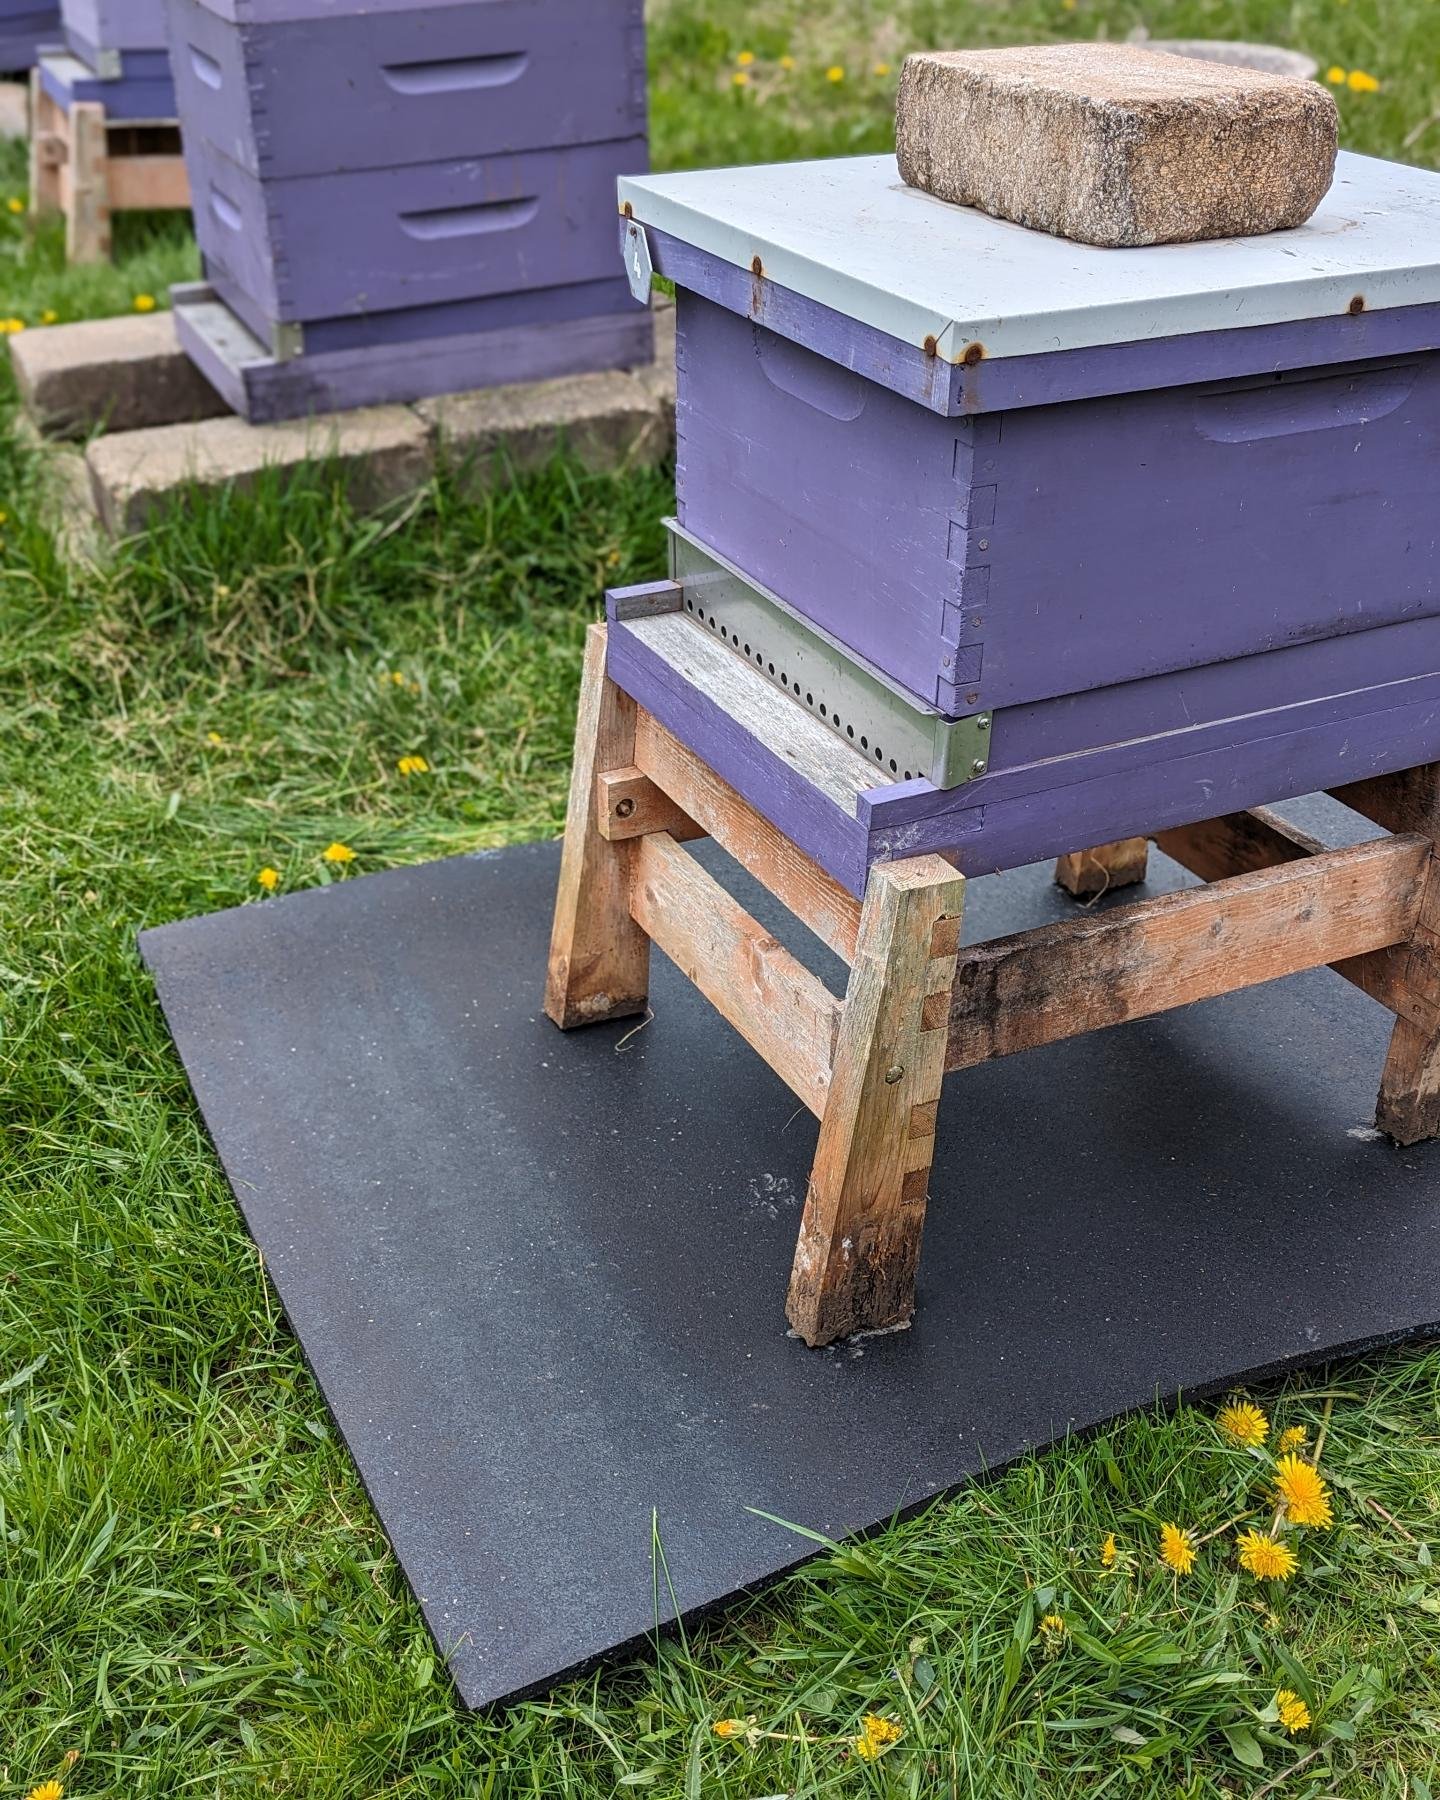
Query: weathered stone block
[
  {"x": 608, "y": 420},
  {"x": 1115, "y": 145},
  {"x": 121, "y": 374},
  {"x": 383, "y": 452}
]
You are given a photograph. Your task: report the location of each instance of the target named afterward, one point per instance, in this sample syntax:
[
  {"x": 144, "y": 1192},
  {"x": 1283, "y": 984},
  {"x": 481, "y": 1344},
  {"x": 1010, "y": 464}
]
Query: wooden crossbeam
[
  {"x": 815, "y": 898},
  {"x": 781, "y": 1010},
  {"x": 1037, "y": 987},
  {"x": 1238, "y": 843}
]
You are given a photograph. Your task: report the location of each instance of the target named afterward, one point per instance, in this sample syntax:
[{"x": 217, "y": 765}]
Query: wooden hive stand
[
  {"x": 89, "y": 168},
  {"x": 918, "y": 1006}
]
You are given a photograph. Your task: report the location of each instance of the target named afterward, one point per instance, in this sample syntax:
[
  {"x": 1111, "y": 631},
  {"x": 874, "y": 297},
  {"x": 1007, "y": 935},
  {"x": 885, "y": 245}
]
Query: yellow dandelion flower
[
  {"x": 1292, "y": 1438},
  {"x": 1301, "y": 1491},
  {"x": 1335, "y": 75},
  {"x": 49, "y": 316},
  {"x": 1052, "y": 1622},
  {"x": 269, "y": 879},
  {"x": 1067, "y": 5},
  {"x": 47, "y": 1790},
  {"x": 339, "y": 853},
  {"x": 745, "y": 58},
  {"x": 144, "y": 303},
  {"x": 1266, "y": 1558},
  {"x": 729, "y": 1728},
  {"x": 413, "y": 765},
  {"x": 1177, "y": 1548},
  {"x": 1243, "y": 1423},
  {"x": 1360, "y": 83},
  {"x": 1109, "y": 1551},
  {"x": 876, "y": 1735},
  {"x": 881, "y": 69},
  {"x": 1294, "y": 1713},
  {"x": 15, "y": 204},
  {"x": 787, "y": 63},
  {"x": 740, "y": 79},
  {"x": 213, "y": 737},
  {"x": 9, "y": 326},
  {"x": 835, "y": 73}
]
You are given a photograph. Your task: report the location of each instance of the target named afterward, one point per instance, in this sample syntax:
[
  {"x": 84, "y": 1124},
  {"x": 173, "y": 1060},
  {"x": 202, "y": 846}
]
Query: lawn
[{"x": 195, "y": 1598}]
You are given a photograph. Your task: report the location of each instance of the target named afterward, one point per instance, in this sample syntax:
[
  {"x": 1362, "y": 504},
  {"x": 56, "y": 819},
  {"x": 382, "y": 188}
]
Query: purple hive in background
[
  {"x": 24, "y": 28},
  {"x": 117, "y": 56},
  {"x": 438, "y": 176}
]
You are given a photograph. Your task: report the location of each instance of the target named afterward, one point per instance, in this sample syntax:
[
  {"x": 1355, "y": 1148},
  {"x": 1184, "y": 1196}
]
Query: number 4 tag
[{"x": 638, "y": 265}]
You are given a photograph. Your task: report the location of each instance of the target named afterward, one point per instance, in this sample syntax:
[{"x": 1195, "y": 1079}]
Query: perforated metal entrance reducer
[{"x": 896, "y": 731}]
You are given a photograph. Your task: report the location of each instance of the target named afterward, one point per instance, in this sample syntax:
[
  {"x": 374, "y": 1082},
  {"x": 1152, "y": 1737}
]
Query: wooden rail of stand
[
  {"x": 1277, "y": 901},
  {"x": 89, "y": 167}
]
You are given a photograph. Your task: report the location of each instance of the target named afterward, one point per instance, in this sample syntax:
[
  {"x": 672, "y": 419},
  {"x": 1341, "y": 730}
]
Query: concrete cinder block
[
  {"x": 610, "y": 421},
  {"x": 14, "y": 109},
  {"x": 1113, "y": 144},
  {"x": 122, "y": 374},
  {"x": 383, "y": 453}
]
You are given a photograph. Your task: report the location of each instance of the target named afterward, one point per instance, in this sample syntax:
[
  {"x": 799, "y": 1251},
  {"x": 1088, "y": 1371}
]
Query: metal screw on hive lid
[
  {"x": 982, "y": 722},
  {"x": 894, "y": 1073},
  {"x": 624, "y": 808},
  {"x": 979, "y": 766}
]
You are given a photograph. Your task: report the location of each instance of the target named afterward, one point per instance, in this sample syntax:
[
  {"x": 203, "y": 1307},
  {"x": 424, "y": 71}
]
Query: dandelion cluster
[
  {"x": 1357, "y": 80},
  {"x": 413, "y": 765}
]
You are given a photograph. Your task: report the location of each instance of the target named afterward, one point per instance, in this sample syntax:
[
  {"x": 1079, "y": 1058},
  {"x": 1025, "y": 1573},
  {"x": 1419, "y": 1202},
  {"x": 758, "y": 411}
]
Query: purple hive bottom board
[
  {"x": 264, "y": 390},
  {"x": 540, "y": 1277},
  {"x": 131, "y": 98},
  {"x": 1131, "y": 786}
]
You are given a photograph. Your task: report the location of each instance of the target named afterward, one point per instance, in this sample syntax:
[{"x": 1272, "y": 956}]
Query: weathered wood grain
[
  {"x": 1408, "y": 1106},
  {"x": 864, "y": 1212},
  {"x": 1036, "y": 987},
  {"x": 629, "y": 805},
  {"x": 599, "y": 957},
  {"x": 1241, "y": 842},
  {"x": 1089, "y": 873},
  {"x": 781, "y": 1010},
  {"x": 765, "y": 852}
]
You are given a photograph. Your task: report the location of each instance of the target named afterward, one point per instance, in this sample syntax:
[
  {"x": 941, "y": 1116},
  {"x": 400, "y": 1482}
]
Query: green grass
[{"x": 194, "y": 1595}]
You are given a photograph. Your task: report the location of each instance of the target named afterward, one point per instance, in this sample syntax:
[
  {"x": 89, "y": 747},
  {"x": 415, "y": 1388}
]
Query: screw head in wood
[
  {"x": 894, "y": 1073},
  {"x": 624, "y": 808}
]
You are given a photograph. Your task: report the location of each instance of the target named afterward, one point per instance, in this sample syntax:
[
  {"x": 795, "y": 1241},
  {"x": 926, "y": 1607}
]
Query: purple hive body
[
  {"x": 413, "y": 174},
  {"x": 95, "y": 26},
  {"x": 1182, "y": 577},
  {"x": 25, "y": 29},
  {"x": 992, "y": 561}
]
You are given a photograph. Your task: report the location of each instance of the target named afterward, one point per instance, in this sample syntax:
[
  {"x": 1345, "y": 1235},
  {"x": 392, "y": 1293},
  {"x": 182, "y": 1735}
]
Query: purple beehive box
[
  {"x": 407, "y": 199},
  {"x": 25, "y": 29},
  {"x": 1070, "y": 544}
]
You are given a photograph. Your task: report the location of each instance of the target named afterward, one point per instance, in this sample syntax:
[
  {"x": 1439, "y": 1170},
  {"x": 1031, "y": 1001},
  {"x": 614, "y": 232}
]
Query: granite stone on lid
[{"x": 1116, "y": 145}]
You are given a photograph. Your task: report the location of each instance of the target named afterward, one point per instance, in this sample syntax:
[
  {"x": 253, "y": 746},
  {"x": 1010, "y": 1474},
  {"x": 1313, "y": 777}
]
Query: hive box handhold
[{"x": 1116, "y": 145}]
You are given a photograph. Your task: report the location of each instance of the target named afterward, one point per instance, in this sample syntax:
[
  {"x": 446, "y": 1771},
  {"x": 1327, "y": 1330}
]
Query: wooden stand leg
[
  {"x": 47, "y": 148},
  {"x": 865, "y": 1210},
  {"x": 87, "y": 217},
  {"x": 599, "y": 957},
  {"x": 1089, "y": 873},
  {"x": 1408, "y": 1107}
]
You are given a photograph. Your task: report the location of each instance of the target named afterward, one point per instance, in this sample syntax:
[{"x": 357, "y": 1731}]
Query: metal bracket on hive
[{"x": 893, "y": 728}]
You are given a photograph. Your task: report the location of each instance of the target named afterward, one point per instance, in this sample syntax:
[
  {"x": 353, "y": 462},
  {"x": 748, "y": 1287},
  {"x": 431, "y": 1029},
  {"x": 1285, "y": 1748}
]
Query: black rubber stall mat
[{"x": 541, "y": 1277}]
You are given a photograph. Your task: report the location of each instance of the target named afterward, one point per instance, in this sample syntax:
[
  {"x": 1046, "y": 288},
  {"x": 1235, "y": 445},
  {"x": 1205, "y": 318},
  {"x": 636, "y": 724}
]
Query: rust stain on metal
[
  {"x": 932, "y": 346},
  {"x": 974, "y": 353},
  {"x": 1357, "y": 305},
  {"x": 757, "y": 267},
  {"x": 757, "y": 287},
  {"x": 627, "y": 211}
]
